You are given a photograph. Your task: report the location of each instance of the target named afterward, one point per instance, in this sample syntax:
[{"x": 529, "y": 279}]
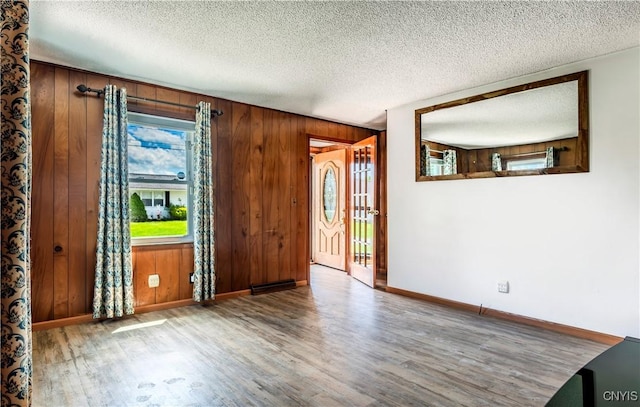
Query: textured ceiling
[{"x": 343, "y": 61}]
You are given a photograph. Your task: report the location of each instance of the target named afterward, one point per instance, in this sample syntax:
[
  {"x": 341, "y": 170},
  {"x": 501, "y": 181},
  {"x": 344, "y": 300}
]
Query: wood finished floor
[{"x": 336, "y": 343}]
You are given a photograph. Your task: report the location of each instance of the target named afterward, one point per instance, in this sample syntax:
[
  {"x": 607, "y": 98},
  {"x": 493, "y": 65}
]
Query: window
[
  {"x": 527, "y": 164},
  {"x": 147, "y": 198},
  {"x": 160, "y": 179},
  {"x": 436, "y": 164}
]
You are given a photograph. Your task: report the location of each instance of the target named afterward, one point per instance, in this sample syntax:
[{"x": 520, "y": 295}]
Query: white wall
[{"x": 578, "y": 262}]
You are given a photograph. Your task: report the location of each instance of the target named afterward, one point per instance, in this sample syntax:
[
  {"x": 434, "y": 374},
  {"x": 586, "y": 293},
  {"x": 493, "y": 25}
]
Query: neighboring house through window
[{"x": 160, "y": 178}]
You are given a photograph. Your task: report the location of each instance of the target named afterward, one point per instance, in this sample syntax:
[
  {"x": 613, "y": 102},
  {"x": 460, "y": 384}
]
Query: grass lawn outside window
[{"x": 159, "y": 228}]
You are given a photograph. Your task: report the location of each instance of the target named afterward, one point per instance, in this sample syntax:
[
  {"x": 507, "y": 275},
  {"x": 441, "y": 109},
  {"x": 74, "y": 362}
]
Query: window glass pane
[
  {"x": 159, "y": 173},
  {"x": 158, "y": 198},
  {"x": 329, "y": 194},
  {"x": 530, "y": 164},
  {"x": 436, "y": 165}
]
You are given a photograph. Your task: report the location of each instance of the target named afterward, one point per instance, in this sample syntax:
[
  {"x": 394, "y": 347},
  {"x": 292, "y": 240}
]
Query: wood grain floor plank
[{"x": 333, "y": 343}]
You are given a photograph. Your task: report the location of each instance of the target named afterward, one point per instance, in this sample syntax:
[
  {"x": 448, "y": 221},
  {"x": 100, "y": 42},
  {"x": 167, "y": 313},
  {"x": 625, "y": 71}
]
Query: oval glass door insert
[{"x": 329, "y": 194}]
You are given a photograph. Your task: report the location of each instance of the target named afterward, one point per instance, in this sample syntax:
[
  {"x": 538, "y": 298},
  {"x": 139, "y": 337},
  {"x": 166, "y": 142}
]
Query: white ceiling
[{"x": 343, "y": 61}]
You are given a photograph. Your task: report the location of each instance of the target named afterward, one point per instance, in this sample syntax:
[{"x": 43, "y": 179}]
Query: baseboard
[
  {"x": 231, "y": 295},
  {"x": 551, "y": 326},
  {"x": 163, "y": 306},
  {"x": 82, "y": 319},
  {"x": 57, "y": 323}
]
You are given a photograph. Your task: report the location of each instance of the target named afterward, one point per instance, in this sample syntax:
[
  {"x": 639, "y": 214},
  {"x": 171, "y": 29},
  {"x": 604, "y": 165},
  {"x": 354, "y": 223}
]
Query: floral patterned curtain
[
  {"x": 425, "y": 160},
  {"x": 496, "y": 162},
  {"x": 204, "y": 276},
  {"x": 113, "y": 295},
  {"x": 16, "y": 205},
  {"x": 450, "y": 162},
  {"x": 551, "y": 154}
]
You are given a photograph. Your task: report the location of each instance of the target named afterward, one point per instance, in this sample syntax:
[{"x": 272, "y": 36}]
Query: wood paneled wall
[
  {"x": 479, "y": 160},
  {"x": 172, "y": 264},
  {"x": 260, "y": 162},
  {"x": 381, "y": 253}
]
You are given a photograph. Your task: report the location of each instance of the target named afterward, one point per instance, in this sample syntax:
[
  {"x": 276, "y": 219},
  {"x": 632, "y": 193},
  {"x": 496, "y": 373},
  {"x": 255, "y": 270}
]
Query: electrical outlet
[
  {"x": 154, "y": 280},
  {"x": 191, "y": 279},
  {"x": 503, "y": 287}
]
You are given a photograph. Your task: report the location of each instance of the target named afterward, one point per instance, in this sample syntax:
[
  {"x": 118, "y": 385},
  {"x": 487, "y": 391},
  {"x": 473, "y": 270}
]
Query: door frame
[
  {"x": 333, "y": 142},
  {"x": 335, "y": 158},
  {"x": 381, "y": 183}
]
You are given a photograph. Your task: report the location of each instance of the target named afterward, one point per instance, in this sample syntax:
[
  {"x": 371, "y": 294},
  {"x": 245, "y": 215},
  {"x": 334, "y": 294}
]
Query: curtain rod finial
[{"x": 82, "y": 88}]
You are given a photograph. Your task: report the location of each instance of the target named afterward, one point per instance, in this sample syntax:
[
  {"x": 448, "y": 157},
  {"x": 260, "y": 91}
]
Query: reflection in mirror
[{"x": 532, "y": 129}]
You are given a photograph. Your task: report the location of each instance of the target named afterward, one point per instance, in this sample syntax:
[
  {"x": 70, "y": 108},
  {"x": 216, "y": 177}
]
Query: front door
[
  {"x": 363, "y": 211},
  {"x": 328, "y": 209}
]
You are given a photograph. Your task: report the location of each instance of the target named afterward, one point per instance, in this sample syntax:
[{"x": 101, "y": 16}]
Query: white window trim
[{"x": 172, "y": 124}]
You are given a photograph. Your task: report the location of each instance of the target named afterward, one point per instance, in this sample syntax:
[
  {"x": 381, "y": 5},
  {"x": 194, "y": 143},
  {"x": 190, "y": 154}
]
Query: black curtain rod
[
  {"x": 565, "y": 148},
  {"x": 84, "y": 89}
]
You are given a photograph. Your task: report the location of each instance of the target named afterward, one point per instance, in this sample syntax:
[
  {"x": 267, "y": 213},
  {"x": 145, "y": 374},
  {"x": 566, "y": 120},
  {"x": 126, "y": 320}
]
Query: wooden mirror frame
[{"x": 582, "y": 143}]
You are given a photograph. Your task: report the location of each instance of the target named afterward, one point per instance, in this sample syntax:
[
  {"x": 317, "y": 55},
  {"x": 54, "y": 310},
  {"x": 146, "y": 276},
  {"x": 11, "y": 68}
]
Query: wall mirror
[{"x": 532, "y": 129}]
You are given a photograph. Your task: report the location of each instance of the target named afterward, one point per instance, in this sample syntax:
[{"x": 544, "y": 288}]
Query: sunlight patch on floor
[{"x": 139, "y": 326}]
